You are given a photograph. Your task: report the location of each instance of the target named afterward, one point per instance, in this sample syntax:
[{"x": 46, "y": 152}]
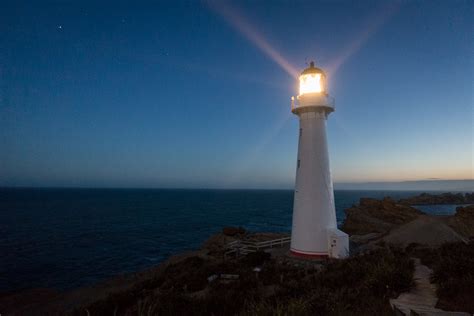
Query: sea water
[{"x": 66, "y": 238}]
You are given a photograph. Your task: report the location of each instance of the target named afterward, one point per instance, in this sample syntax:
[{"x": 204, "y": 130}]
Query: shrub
[
  {"x": 454, "y": 273},
  {"x": 254, "y": 259},
  {"x": 359, "y": 285}
]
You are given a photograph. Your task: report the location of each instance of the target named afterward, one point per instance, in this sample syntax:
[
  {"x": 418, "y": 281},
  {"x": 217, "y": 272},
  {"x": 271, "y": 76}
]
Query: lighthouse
[{"x": 314, "y": 231}]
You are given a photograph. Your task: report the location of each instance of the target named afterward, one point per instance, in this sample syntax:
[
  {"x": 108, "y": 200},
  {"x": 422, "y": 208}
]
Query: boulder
[
  {"x": 426, "y": 230},
  {"x": 377, "y": 216},
  {"x": 233, "y": 231}
]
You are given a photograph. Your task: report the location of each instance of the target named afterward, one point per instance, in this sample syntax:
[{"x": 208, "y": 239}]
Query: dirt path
[{"x": 422, "y": 298}]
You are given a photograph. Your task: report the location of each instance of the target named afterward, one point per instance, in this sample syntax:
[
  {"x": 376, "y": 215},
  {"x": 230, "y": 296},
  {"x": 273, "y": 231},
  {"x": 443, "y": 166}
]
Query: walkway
[{"x": 422, "y": 299}]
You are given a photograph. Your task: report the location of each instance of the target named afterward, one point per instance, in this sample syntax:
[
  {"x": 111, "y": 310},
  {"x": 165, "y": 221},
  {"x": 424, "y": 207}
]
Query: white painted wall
[{"x": 314, "y": 212}]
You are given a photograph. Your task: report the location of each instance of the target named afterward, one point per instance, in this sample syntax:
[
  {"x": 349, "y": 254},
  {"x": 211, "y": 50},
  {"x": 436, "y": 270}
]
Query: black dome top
[{"x": 312, "y": 70}]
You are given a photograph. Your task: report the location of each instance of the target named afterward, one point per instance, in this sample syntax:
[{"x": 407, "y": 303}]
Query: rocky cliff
[
  {"x": 377, "y": 216},
  {"x": 463, "y": 221},
  {"x": 444, "y": 198},
  {"x": 386, "y": 220}
]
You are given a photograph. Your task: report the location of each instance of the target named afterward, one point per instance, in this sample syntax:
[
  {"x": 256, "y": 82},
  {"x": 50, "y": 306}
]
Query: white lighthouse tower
[{"x": 314, "y": 233}]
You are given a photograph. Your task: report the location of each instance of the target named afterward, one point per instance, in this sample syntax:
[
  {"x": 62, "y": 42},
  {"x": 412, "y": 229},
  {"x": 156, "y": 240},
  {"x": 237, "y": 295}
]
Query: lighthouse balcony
[{"x": 313, "y": 101}]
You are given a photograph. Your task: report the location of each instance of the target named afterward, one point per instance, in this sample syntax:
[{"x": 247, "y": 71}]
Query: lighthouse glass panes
[{"x": 311, "y": 83}]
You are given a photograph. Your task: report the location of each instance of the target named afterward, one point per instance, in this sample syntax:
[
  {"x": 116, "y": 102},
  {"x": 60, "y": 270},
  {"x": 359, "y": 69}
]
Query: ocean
[{"x": 67, "y": 238}]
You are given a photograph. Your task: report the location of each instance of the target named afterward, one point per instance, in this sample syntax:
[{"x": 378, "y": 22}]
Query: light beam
[
  {"x": 238, "y": 22},
  {"x": 373, "y": 25}
]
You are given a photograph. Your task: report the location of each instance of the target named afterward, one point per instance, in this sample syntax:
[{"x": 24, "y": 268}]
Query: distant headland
[{"x": 465, "y": 185}]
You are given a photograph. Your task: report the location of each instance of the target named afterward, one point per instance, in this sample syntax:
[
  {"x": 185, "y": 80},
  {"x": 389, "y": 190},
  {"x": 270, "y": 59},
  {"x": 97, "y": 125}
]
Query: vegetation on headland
[
  {"x": 443, "y": 243},
  {"x": 453, "y": 272},
  {"x": 359, "y": 285}
]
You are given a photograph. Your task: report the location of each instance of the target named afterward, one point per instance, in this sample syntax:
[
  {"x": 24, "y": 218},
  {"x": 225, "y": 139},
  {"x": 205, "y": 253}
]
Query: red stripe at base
[{"x": 308, "y": 255}]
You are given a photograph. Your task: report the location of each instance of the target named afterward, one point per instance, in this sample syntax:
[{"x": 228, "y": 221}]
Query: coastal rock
[
  {"x": 426, "y": 230},
  {"x": 233, "y": 231},
  {"x": 377, "y": 216},
  {"x": 463, "y": 221},
  {"x": 373, "y": 221},
  {"x": 216, "y": 243},
  {"x": 363, "y": 239},
  {"x": 444, "y": 198},
  {"x": 16, "y": 301}
]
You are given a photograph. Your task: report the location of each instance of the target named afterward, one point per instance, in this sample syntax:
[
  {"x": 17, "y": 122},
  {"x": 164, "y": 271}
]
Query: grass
[
  {"x": 359, "y": 285},
  {"x": 453, "y": 272}
]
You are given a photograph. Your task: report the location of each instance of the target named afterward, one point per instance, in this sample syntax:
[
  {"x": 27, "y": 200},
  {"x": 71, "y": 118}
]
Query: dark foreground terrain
[
  {"x": 359, "y": 285},
  {"x": 453, "y": 272}
]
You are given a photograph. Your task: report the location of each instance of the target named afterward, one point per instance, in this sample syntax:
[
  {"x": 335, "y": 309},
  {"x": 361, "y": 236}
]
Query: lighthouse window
[{"x": 299, "y": 163}]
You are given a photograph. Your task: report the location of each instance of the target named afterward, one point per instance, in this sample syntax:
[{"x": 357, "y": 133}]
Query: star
[{"x": 60, "y": 27}]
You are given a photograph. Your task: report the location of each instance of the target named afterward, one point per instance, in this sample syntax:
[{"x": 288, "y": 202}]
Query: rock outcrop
[
  {"x": 377, "y": 216},
  {"x": 233, "y": 231},
  {"x": 385, "y": 220},
  {"x": 463, "y": 221},
  {"x": 444, "y": 198},
  {"x": 426, "y": 230}
]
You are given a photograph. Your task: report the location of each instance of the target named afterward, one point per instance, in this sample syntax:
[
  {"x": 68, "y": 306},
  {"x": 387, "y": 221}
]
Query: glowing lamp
[
  {"x": 312, "y": 80},
  {"x": 313, "y": 92}
]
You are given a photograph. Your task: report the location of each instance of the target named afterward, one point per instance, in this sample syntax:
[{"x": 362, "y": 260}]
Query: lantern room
[
  {"x": 312, "y": 80},
  {"x": 312, "y": 92}
]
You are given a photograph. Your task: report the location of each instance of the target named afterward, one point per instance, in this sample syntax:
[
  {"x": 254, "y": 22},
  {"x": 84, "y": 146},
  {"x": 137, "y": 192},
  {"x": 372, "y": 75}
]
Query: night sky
[{"x": 197, "y": 94}]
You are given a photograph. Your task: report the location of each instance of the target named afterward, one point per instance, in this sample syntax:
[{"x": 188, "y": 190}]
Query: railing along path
[{"x": 243, "y": 247}]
